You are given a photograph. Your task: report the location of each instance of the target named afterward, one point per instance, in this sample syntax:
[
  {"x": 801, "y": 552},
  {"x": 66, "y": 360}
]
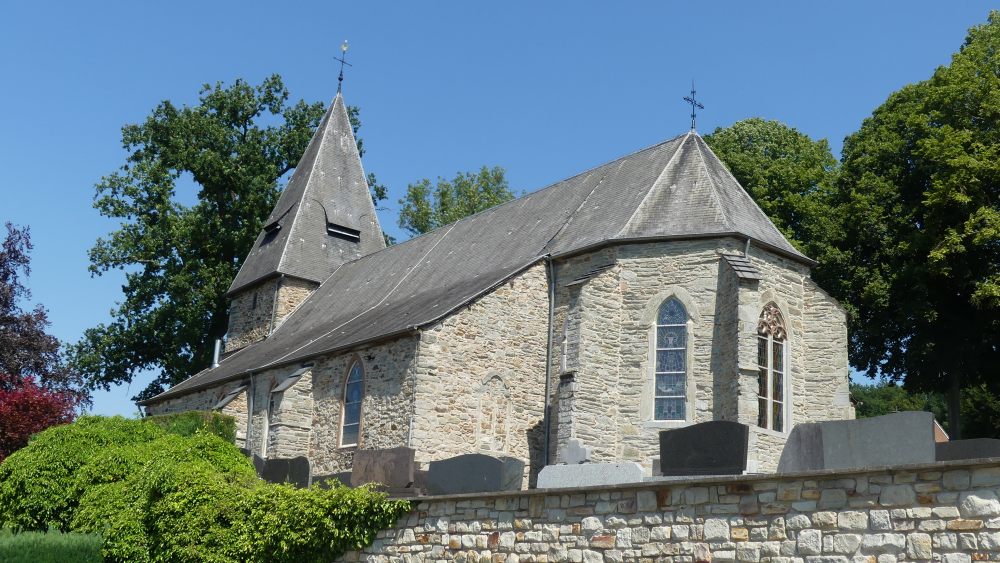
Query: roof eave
[{"x": 800, "y": 258}]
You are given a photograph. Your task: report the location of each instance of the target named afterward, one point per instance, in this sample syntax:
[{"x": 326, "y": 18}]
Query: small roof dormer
[{"x": 325, "y": 215}]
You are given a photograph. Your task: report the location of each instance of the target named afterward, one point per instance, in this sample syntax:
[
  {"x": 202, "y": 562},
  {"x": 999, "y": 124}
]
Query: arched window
[
  {"x": 771, "y": 344},
  {"x": 671, "y": 361},
  {"x": 353, "y": 394}
]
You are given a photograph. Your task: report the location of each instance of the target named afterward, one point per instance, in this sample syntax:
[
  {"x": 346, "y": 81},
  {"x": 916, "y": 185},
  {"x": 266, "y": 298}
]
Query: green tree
[
  {"x": 920, "y": 263},
  {"x": 887, "y": 398},
  {"x": 428, "y": 207},
  {"x": 788, "y": 174},
  {"x": 227, "y": 154}
]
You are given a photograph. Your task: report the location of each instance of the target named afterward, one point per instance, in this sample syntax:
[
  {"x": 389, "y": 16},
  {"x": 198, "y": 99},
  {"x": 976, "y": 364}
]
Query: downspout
[
  {"x": 274, "y": 304},
  {"x": 548, "y": 360},
  {"x": 251, "y": 391},
  {"x": 746, "y": 249}
]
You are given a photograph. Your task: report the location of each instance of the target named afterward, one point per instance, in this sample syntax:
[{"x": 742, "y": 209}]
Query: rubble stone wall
[
  {"x": 250, "y": 315},
  {"x": 947, "y": 512},
  {"x": 604, "y": 335},
  {"x": 480, "y": 376}
]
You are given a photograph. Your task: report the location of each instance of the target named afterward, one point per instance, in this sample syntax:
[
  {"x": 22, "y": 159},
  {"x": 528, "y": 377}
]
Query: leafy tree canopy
[
  {"x": 428, "y": 207},
  {"x": 920, "y": 191},
  {"x": 787, "y": 173},
  {"x": 231, "y": 150},
  {"x": 36, "y": 389}
]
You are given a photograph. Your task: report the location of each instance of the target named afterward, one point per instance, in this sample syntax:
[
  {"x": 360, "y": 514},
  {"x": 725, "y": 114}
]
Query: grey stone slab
[
  {"x": 391, "y": 467},
  {"x": 574, "y": 452},
  {"x": 967, "y": 449},
  {"x": 717, "y": 447},
  {"x": 474, "y": 473},
  {"x": 893, "y": 439},
  {"x": 589, "y": 474},
  {"x": 258, "y": 465}
]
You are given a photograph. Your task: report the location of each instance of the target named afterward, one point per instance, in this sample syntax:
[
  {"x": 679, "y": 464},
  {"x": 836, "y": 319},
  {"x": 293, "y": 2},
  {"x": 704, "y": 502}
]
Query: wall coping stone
[{"x": 652, "y": 482}]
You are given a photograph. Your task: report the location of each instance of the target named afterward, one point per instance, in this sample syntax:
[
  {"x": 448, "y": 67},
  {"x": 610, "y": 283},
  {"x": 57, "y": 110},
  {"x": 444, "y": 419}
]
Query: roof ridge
[
  {"x": 714, "y": 189},
  {"x": 649, "y": 192}
]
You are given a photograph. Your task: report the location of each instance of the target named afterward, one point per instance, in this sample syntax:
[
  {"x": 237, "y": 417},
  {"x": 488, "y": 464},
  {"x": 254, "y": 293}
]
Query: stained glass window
[
  {"x": 353, "y": 396},
  {"x": 670, "y": 362},
  {"x": 771, "y": 350}
]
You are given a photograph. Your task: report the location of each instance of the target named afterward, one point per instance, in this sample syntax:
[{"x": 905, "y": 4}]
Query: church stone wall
[
  {"x": 605, "y": 338},
  {"x": 816, "y": 357},
  {"x": 610, "y": 337},
  {"x": 386, "y": 408},
  {"x": 255, "y": 311},
  {"x": 250, "y": 314},
  {"x": 480, "y": 375}
]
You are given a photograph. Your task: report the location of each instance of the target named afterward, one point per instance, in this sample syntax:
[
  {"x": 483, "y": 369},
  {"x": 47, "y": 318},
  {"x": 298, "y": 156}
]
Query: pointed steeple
[{"x": 325, "y": 215}]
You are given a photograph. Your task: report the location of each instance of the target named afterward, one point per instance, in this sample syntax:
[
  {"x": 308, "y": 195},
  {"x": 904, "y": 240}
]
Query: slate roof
[
  {"x": 328, "y": 186},
  {"x": 677, "y": 189}
]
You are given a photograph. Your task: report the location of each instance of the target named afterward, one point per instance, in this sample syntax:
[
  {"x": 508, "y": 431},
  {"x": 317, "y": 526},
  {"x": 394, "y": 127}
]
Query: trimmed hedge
[
  {"x": 190, "y": 422},
  {"x": 51, "y": 547},
  {"x": 159, "y": 496}
]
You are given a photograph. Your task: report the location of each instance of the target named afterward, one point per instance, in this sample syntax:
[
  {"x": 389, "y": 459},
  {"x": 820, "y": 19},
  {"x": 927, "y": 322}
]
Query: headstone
[
  {"x": 392, "y": 467},
  {"x": 894, "y": 439},
  {"x": 589, "y": 475},
  {"x": 967, "y": 449},
  {"x": 287, "y": 470},
  {"x": 717, "y": 447},
  {"x": 574, "y": 452},
  {"x": 258, "y": 465},
  {"x": 474, "y": 473}
]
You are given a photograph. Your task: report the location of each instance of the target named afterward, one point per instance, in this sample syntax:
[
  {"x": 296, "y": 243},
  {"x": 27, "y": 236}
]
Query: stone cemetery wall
[{"x": 946, "y": 512}]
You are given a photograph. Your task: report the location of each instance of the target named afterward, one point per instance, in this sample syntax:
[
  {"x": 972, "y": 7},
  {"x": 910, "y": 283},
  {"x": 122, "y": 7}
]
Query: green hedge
[
  {"x": 187, "y": 423},
  {"x": 159, "y": 496},
  {"x": 51, "y": 547}
]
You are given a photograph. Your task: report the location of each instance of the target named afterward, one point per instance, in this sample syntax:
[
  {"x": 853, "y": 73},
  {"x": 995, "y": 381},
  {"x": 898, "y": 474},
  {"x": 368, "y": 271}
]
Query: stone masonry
[
  {"x": 605, "y": 339},
  {"x": 945, "y": 512},
  {"x": 256, "y": 311}
]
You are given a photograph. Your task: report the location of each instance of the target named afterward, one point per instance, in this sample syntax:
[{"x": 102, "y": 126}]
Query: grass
[{"x": 51, "y": 547}]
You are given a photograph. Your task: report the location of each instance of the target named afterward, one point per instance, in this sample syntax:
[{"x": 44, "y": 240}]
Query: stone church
[{"x": 643, "y": 294}]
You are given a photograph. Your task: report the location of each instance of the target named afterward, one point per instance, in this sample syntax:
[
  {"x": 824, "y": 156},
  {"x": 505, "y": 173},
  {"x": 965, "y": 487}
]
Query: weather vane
[
  {"x": 695, "y": 105},
  {"x": 343, "y": 61}
]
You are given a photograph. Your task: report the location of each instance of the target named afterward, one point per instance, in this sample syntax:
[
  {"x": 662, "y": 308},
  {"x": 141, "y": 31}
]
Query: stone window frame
[
  {"x": 355, "y": 360},
  {"x": 661, "y": 347},
  {"x": 648, "y": 318},
  {"x": 769, "y": 330}
]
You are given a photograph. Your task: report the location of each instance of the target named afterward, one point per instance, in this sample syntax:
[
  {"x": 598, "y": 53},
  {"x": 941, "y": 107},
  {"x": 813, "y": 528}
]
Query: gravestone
[
  {"x": 894, "y": 439},
  {"x": 574, "y": 452},
  {"x": 391, "y": 467},
  {"x": 258, "y": 465},
  {"x": 286, "y": 470},
  {"x": 474, "y": 473},
  {"x": 589, "y": 475},
  {"x": 967, "y": 449},
  {"x": 717, "y": 447}
]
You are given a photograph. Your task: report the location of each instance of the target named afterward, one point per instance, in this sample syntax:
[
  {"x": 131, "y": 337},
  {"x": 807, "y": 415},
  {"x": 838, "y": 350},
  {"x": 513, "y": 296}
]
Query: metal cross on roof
[
  {"x": 695, "y": 105},
  {"x": 343, "y": 61}
]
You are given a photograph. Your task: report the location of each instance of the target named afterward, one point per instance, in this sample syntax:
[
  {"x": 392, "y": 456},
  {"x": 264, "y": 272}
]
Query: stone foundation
[{"x": 946, "y": 512}]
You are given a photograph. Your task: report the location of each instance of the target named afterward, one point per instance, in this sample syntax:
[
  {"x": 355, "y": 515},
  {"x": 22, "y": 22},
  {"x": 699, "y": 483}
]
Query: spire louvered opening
[{"x": 342, "y": 232}]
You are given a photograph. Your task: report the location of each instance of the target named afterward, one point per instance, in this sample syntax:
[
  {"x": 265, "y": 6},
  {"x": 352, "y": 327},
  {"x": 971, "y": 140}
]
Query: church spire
[{"x": 325, "y": 215}]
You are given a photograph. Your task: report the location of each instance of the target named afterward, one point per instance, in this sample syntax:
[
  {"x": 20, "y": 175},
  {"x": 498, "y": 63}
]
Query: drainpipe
[
  {"x": 746, "y": 249},
  {"x": 550, "y": 269},
  {"x": 215, "y": 354}
]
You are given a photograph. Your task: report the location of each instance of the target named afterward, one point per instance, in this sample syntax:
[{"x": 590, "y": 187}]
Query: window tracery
[{"x": 771, "y": 370}]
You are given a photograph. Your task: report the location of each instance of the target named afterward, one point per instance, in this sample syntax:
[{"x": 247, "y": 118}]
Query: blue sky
[{"x": 544, "y": 89}]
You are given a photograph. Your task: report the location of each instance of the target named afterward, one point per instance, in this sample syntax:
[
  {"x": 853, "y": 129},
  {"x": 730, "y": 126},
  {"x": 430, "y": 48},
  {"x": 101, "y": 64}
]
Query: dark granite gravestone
[
  {"x": 717, "y": 447},
  {"x": 392, "y": 467},
  {"x": 894, "y": 439},
  {"x": 474, "y": 473},
  {"x": 287, "y": 470},
  {"x": 258, "y": 465},
  {"x": 967, "y": 449}
]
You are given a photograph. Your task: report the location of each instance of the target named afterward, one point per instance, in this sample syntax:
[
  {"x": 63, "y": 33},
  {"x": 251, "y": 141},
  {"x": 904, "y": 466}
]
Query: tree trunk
[{"x": 955, "y": 406}]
